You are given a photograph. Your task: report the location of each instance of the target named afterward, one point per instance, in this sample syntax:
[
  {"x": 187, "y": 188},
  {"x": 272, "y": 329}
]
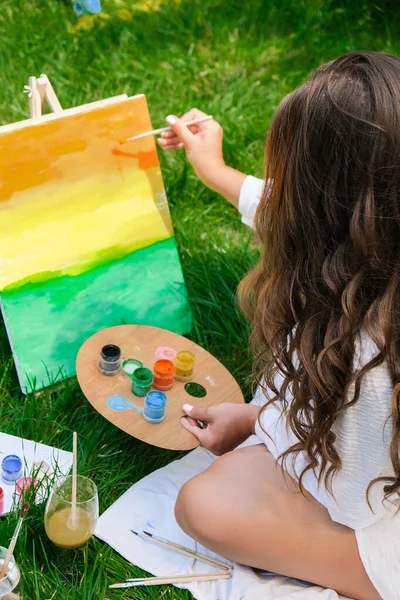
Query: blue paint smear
[{"x": 118, "y": 402}]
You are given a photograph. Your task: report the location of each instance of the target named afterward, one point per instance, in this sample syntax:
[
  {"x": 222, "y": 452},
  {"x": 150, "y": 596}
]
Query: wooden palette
[{"x": 141, "y": 342}]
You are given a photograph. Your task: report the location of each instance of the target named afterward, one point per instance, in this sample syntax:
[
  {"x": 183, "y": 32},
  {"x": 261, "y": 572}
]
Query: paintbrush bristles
[
  {"x": 24, "y": 510},
  {"x": 145, "y": 535}
]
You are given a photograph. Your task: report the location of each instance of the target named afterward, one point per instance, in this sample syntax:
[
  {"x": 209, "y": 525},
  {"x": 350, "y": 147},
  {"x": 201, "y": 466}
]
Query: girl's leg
[{"x": 244, "y": 508}]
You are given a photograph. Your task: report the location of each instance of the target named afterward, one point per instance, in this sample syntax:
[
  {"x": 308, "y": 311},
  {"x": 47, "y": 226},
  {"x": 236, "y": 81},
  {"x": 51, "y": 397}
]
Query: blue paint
[
  {"x": 11, "y": 468},
  {"x": 154, "y": 407},
  {"x": 153, "y": 410},
  {"x": 118, "y": 402}
]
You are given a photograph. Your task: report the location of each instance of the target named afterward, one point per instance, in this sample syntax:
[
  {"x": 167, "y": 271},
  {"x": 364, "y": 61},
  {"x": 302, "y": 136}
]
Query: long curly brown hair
[{"x": 329, "y": 223}]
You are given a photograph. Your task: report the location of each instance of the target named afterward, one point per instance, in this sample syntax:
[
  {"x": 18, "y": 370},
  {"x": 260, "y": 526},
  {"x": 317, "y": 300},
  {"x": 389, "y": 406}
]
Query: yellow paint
[
  {"x": 184, "y": 363},
  {"x": 66, "y": 198}
]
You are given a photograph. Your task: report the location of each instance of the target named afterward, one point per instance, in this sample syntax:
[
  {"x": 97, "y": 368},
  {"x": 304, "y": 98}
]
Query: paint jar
[
  {"x": 41, "y": 469},
  {"x": 163, "y": 375},
  {"x": 110, "y": 360},
  {"x": 163, "y": 352},
  {"x": 129, "y": 365},
  {"x": 154, "y": 407},
  {"x": 11, "y": 469},
  {"x": 9, "y": 583},
  {"x": 184, "y": 365},
  {"x": 1, "y": 501},
  {"x": 26, "y": 486},
  {"x": 142, "y": 379}
]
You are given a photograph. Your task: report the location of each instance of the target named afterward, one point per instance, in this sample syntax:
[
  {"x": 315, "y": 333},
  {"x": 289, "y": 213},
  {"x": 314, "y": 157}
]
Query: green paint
[
  {"x": 49, "y": 321},
  {"x": 142, "y": 379}
]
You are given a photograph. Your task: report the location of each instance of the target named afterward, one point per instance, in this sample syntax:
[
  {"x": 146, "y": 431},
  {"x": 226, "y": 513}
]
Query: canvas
[{"x": 86, "y": 240}]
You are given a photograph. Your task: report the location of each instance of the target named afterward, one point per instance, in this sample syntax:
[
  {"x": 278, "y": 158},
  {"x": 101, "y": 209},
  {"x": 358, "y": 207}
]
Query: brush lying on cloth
[
  {"x": 149, "y": 505},
  {"x": 170, "y": 579}
]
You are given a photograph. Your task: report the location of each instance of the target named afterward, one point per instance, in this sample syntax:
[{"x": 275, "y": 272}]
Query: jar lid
[
  {"x": 11, "y": 464},
  {"x": 130, "y": 364}
]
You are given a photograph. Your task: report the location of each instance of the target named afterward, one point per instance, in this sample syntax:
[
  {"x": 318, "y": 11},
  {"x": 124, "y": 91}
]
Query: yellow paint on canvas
[{"x": 69, "y": 192}]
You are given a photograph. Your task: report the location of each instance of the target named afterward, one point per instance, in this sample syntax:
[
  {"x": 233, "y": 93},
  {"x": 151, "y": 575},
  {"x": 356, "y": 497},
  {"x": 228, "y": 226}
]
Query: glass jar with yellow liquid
[
  {"x": 9, "y": 589},
  {"x": 66, "y": 527}
]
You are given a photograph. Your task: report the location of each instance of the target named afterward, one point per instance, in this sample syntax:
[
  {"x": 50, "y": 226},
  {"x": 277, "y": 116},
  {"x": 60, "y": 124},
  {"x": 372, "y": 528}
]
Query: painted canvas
[{"x": 86, "y": 240}]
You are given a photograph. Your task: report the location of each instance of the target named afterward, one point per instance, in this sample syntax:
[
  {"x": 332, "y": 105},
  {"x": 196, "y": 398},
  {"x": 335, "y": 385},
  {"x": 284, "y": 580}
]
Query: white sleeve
[{"x": 249, "y": 198}]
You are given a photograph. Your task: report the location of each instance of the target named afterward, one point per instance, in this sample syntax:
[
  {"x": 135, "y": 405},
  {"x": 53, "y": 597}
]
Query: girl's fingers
[
  {"x": 165, "y": 145},
  {"x": 169, "y": 135},
  {"x": 191, "y": 425},
  {"x": 193, "y": 113},
  {"x": 173, "y": 139}
]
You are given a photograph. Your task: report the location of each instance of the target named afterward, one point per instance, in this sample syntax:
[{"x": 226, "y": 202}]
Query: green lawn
[{"x": 234, "y": 59}]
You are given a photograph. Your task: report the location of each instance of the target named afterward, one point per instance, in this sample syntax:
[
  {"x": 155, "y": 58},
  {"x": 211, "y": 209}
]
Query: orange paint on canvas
[
  {"x": 146, "y": 160},
  {"x": 46, "y": 151},
  {"x": 62, "y": 187}
]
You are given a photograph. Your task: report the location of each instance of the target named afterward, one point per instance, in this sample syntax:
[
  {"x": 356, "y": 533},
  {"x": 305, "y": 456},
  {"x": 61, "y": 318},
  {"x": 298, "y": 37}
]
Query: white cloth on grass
[
  {"x": 149, "y": 505},
  {"x": 363, "y": 433}
]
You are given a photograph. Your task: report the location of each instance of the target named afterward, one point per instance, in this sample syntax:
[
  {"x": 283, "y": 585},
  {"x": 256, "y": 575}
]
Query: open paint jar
[
  {"x": 154, "y": 407},
  {"x": 142, "y": 379},
  {"x": 163, "y": 375},
  {"x": 129, "y": 365},
  {"x": 184, "y": 365},
  {"x": 10, "y": 581},
  {"x": 11, "y": 469},
  {"x": 110, "y": 360},
  {"x": 164, "y": 352}
]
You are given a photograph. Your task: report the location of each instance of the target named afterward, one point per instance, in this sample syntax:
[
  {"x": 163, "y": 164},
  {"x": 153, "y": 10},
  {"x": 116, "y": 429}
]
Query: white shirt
[{"x": 363, "y": 434}]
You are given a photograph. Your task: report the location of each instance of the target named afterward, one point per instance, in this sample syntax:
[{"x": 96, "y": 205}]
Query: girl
[{"x": 324, "y": 302}]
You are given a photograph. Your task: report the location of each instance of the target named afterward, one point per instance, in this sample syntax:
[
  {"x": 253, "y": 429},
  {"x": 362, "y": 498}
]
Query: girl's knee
[
  {"x": 197, "y": 510},
  {"x": 187, "y": 507}
]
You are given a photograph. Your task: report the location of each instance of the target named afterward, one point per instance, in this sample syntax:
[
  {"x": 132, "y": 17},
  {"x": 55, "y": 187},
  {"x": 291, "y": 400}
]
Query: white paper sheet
[{"x": 30, "y": 453}]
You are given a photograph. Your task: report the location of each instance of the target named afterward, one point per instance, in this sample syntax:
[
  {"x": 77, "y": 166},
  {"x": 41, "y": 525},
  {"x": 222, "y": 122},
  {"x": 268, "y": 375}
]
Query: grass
[{"x": 233, "y": 59}]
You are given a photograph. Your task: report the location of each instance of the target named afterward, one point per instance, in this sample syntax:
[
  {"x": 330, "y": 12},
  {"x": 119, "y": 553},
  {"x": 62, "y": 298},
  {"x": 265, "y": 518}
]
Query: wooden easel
[{"x": 40, "y": 91}]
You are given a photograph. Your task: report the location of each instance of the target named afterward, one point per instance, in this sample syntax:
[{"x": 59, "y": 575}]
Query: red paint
[
  {"x": 163, "y": 375},
  {"x": 1, "y": 501}
]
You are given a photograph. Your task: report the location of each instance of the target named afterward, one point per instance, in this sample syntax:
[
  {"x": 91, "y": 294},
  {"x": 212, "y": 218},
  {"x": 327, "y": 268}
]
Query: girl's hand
[
  {"x": 227, "y": 425},
  {"x": 202, "y": 142}
]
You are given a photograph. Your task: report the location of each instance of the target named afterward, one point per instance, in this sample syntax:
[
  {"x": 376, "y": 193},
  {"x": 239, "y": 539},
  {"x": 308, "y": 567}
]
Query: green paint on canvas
[{"x": 49, "y": 321}]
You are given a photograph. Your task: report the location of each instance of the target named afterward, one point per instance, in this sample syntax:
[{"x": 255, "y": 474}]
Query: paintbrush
[
  {"x": 72, "y": 520},
  {"x": 182, "y": 549},
  {"x": 24, "y": 510},
  {"x": 167, "y": 579},
  {"x": 163, "y": 129}
]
